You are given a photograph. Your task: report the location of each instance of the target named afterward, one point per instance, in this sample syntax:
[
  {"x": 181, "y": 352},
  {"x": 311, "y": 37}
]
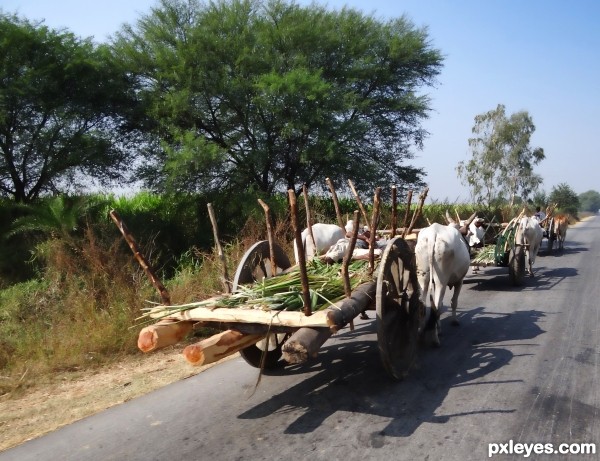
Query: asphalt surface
[{"x": 522, "y": 367}]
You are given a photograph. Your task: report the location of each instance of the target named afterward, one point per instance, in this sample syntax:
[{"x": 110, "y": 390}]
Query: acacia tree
[
  {"x": 270, "y": 95},
  {"x": 502, "y": 159},
  {"x": 60, "y": 103}
]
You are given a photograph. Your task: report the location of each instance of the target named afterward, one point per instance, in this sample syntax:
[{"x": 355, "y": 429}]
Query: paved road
[{"x": 523, "y": 366}]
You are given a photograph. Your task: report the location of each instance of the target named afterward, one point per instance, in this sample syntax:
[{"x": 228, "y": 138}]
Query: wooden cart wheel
[
  {"x": 516, "y": 265},
  {"x": 397, "y": 305},
  {"x": 254, "y": 266}
]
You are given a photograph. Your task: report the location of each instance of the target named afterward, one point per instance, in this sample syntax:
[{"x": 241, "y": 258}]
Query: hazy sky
[{"x": 542, "y": 56}]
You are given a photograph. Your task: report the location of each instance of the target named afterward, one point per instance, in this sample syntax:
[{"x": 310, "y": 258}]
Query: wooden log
[
  {"x": 218, "y": 346},
  {"x": 225, "y": 281},
  {"x": 162, "y": 334},
  {"x": 140, "y": 258},
  {"x": 336, "y": 204},
  {"x": 304, "y": 344},
  {"x": 362, "y": 297}
]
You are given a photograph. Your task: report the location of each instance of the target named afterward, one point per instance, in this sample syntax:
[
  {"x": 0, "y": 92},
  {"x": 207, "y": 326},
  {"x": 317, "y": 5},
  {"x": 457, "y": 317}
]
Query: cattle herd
[{"x": 442, "y": 258}]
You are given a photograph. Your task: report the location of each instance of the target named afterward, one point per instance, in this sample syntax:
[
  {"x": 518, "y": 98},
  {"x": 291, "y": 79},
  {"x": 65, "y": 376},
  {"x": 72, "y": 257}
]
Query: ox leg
[
  {"x": 529, "y": 263},
  {"x": 454, "y": 303},
  {"x": 431, "y": 327}
]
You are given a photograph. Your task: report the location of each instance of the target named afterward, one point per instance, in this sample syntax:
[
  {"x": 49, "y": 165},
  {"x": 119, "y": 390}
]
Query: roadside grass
[{"x": 80, "y": 312}]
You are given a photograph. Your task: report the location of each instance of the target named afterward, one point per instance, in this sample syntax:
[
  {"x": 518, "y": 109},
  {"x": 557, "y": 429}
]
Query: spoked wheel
[
  {"x": 254, "y": 266},
  {"x": 516, "y": 265},
  {"x": 397, "y": 304}
]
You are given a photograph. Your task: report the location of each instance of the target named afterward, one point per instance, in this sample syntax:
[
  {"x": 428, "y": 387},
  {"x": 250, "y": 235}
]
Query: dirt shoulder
[{"x": 69, "y": 397}]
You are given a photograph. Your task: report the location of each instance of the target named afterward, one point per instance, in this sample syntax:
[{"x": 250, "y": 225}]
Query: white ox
[
  {"x": 443, "y": 260},
  {"x": 326, "y": 235},
  {"x": 529, "y": 234}
]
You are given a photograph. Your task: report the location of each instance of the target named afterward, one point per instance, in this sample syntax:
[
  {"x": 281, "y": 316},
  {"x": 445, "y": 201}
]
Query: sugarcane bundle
[
  {"x": 280, "y": 293},
  {"x": 485, "y": 256}
]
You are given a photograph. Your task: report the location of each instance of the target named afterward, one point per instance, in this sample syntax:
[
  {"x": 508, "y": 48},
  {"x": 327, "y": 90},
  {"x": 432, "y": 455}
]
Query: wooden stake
[
  {"x": 347, "y": 259},
  {"x": 270, "y": 238},
  {"x": 301, "y": 253},
  {"x": 360, "y": 205},
  {"x": 336, "y": 204},
  {"x": 156, "y": 283},
  {"x": 407, "y": 212},
  {"x": 417, "y": 213},
  {"x": 374, "y": 225},
  {"x": 309, "y": 222},
  {"x": 394, "y": 212},
  {"x": 225, "y": 280}
]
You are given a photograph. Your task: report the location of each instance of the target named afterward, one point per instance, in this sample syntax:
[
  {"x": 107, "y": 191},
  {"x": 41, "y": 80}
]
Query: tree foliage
[
  {"x": 589, "y": 201},
  {"x": 60, "y": 103},
  {"x": 502, "y": 159},
  {"x": 566, "y": 199},
  {"x": 267, "y": 96}
]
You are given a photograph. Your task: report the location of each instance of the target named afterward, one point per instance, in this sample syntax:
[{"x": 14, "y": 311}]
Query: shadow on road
[
  {"x": 496, "y": 279},
  {"x": 350, "y": 377}
]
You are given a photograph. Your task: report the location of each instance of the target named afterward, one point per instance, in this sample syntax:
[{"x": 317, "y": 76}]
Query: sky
[{"x": 541, "y": 56}]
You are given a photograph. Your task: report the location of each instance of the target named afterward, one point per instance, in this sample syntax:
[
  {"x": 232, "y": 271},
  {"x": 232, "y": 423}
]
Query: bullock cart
[
  {"x": 270, "y": 334},
  {"x": 504, "y": 251}
]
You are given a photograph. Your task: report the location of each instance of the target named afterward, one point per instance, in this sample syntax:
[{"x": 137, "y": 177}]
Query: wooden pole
[
  {"x": 225, "y": 280},
  {"x": 394, "y": 212},
  {"x": 407, "y": 211},
  {"x": 348, "y": 256},
  {"x": 360, "y": 205},
  {"x": 156, "y": 283},
  {"x": 270, "y": 238},
  {"x": 347, "y": 259},
  {"x": 336, "y": 204},
  {"x": 374, "y": 225},
  {"x": 417, "y": 213},
  {"x": 309, "y": 222},
  {"x": 301, "y": 254}
]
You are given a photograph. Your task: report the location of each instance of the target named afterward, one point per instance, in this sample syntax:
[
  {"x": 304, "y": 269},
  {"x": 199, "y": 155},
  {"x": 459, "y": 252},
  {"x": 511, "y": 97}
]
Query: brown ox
[{"x": 561, "y": 223}]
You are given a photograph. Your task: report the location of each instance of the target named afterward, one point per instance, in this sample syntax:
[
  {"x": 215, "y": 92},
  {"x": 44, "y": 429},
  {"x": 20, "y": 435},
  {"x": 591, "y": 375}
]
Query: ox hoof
[{"x": 455, "y": 323}]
